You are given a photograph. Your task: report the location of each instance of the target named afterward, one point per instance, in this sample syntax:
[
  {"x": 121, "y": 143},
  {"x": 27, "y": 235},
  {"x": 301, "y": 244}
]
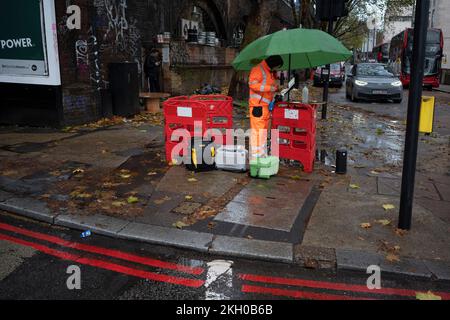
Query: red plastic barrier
[
  {"x": 296, "y": 123},
  {"x": 189, "y": 116},
  {"x": 213, "y": 111},
  {"x": 219, "y": 109}
]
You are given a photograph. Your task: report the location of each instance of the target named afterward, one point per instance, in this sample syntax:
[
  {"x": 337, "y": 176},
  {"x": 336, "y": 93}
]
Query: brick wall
[{"x": 119, "y": 30}]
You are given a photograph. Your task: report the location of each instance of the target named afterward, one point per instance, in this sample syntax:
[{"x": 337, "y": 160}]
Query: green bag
[{"x": 264, "y": 168}]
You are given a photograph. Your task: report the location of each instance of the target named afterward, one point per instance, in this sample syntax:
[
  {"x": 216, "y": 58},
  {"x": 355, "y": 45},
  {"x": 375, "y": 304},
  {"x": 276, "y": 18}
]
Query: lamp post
[{"x": 412, "y": 128}]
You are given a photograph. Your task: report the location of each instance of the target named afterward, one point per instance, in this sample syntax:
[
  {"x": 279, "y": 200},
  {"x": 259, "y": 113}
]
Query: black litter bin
[{"x": 124, "y": 88}]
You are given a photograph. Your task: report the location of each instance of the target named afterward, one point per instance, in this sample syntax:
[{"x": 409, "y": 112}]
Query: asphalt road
[
  {"x": 35, "y": 258},
  {"x": 395, "y": 110}
]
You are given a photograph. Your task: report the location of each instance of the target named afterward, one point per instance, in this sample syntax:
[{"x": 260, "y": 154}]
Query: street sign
[
  {"x": 22, "y": 39},
  {"x": 29, "y": 42}
]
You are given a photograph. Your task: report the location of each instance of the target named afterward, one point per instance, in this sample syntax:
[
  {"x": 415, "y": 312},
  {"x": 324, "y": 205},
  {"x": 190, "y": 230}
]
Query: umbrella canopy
[{"x": 305, "y": 48}]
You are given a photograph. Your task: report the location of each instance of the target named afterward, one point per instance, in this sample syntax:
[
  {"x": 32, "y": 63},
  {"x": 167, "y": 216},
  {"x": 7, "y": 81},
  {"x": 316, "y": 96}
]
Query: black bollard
[{"x": 341, "y": 161}]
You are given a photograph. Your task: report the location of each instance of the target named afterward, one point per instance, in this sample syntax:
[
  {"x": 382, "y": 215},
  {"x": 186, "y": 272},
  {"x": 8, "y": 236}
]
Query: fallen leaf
[
  {"x": 180, "y": 224},
  {"x": 384, "y": 222},
  {"x": 188, "y": 198},
  {"x": 392, "y": 258},
  {"x": 397, "y": 248},
  {"x": 427, "y": 296},
  {"x": 192, "y": 180},
  {"x": 400, "y": 232},
  {"x": 118, "y": 203},
  {"x": 295, "y": 177},
  {"x": 132, "y": 199},
  {"x": 152, "y": 173},
  {"x": 125, "y": 176},
  {"x": 388, "y": 206},
  {"x": 354, "y": 186},
  {"x": 161, "y": 201},
  {"x": 78, "y": 171},
  {"x": 212, "y": 225},
  {"x": 366, "y": 225}
]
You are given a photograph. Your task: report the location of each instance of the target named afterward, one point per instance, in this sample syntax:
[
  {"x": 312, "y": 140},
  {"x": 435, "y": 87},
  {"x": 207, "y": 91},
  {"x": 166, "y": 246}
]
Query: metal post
[
  {"x": 327, "y": 67},
  {"x": 289, "y": 78},
  {"x": 412, "y": 128}
]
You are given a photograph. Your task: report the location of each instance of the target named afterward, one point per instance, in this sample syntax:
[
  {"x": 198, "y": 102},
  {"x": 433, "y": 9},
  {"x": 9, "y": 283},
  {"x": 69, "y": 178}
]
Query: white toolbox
[{"x": 232, "y": 158}]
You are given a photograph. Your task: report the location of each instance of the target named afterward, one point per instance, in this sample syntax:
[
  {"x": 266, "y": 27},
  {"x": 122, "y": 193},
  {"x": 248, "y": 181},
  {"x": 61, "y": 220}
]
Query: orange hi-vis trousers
[{"x": 262, "y": 90}]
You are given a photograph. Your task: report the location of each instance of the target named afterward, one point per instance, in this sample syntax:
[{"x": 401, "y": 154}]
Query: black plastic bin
[{"x": 124, "y": 88}]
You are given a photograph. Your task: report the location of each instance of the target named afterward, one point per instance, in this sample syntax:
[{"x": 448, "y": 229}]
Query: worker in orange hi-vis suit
[{"x": 262, "y": 91}]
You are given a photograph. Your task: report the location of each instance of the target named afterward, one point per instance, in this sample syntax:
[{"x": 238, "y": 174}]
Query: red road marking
[
  {"x": 335, "y": 286},
  {"x": 104, "y": 251},
  {"x": 295, "y": 293},
  {"x": 107, "y": 265}
]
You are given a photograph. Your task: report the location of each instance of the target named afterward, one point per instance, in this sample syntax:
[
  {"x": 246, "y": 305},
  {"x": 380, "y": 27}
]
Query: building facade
[
  {"x": 114, "y": 31},
  {"x": 439, "y": 19},
  {"x": 394, "y": 23}
]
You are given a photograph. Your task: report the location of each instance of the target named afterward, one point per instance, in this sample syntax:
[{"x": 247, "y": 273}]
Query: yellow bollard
[{"x": 426, "y": 114}]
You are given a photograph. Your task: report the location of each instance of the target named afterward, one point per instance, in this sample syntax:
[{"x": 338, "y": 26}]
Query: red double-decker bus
[{"x": 400, "y": 56}]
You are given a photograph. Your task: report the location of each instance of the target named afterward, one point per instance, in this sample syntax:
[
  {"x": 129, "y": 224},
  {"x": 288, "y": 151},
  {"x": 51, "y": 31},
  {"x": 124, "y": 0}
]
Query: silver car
[{"x": 373, "y": 81}]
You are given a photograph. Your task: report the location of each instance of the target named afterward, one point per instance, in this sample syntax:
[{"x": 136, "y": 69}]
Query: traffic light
[{"x": 331, "y": 9}]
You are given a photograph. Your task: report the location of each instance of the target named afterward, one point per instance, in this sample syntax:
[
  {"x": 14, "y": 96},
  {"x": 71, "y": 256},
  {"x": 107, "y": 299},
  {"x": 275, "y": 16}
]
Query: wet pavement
[
  {"x": 119, "y": 172},
  {"x": 36, "y": 258}
]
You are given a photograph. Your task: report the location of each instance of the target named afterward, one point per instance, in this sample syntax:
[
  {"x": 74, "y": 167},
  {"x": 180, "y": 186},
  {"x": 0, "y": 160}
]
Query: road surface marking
[
  {"x": 106, "y": 265},
  {"x": 296, "y": 294},
  {"x": 335, "y": 286},
  {"x": 103, "y": 251}
]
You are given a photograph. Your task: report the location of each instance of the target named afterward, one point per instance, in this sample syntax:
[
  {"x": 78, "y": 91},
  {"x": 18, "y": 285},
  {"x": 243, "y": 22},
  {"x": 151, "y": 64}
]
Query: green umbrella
[{"x": 299, "y": 48}]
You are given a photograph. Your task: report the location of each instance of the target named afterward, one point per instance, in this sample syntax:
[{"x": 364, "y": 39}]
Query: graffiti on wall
[
  {"x": 178, "y": 53},
  {"x": 122, "y": 34},
  {"x": 87, "y": 60}
]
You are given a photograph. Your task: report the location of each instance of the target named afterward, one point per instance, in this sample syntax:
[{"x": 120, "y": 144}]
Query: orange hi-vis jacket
[{"x": 262, "y": 86}]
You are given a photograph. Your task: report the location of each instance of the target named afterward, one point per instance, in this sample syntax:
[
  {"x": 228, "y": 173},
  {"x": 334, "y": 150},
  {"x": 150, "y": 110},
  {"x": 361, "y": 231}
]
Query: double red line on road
[
  {"x": 103, "y": 264},
  {"x": 341, "y": 287}
]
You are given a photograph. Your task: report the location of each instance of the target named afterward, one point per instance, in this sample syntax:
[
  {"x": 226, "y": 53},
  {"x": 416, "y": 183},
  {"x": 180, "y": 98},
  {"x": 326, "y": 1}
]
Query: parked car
[
  {"x": 337, "y": 75},
  {"x": 373, "y": 81}
]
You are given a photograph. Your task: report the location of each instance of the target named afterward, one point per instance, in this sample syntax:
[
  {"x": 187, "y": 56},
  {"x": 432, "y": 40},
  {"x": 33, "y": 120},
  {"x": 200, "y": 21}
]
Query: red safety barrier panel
[
  {"x": 296, "y": 123},
  {"x": 213, "y": 111},
  {"x": 219, "y": 109},
  {"x": 189, "y": 116}
]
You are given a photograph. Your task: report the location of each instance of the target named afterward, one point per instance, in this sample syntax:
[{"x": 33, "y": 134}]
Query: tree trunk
[{"x": 258, "y": 25}]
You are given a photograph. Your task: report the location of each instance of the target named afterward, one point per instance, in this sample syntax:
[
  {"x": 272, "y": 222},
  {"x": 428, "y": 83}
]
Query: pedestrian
[
  {"x": 263, "y": 87},
  {"x": 151, "y": 68}
]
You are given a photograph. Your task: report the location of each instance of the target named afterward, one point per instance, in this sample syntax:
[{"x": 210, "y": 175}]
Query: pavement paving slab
[
  {"x": 100, "y": 224},
  {"x": 29, "y": 207},
  {"x": 210, "y": 184},
  {"x": 444, "y": 191},
  {"x": 440, "y": 269},
  {"x": 167, "y": 236},
  {"x": 251, "y": 248},
  {"x": 5, "y": 195},
  {"x": 337, "y": 224},
  {"x": 392, "y": 187},
  {"x": 271, "y": 204}
]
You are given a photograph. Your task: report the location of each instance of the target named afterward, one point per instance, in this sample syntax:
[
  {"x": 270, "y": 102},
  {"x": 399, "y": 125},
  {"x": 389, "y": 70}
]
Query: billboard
[{"x": 28, "y": 42}]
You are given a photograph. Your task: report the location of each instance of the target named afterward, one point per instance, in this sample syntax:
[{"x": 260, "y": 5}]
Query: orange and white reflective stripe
[
  {"x": 260, "y": 98},
  {"x": 258, "y": 151},
  {"x": 264, "y": 75}
]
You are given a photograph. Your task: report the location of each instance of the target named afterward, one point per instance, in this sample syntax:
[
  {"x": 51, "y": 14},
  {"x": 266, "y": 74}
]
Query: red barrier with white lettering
[{"x": 296, "y": 123}]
